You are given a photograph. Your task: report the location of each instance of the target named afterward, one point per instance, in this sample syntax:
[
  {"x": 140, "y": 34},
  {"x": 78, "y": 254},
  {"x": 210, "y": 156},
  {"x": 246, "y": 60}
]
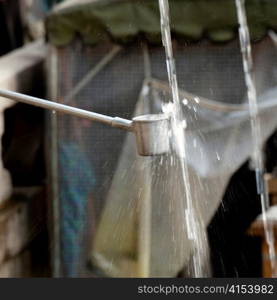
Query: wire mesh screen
[{"x": 92, "y": 157}]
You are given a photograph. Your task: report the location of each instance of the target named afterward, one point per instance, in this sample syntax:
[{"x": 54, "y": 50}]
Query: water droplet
[
  {"x": 185, "y": 101},
  {"x": 197, "y": 100},
  {"x": 184, "y": 124}
]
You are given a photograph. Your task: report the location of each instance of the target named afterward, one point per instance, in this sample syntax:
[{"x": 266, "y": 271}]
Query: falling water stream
[
  {"x": 255, "y": 126},
  {"x": 195, "y": 227}
]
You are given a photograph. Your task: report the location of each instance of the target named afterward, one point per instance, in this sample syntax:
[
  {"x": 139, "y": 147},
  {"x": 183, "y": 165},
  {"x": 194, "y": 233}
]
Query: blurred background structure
[
  {"x": 25, "y": 243},
  {"x": 74, "y": 198}
]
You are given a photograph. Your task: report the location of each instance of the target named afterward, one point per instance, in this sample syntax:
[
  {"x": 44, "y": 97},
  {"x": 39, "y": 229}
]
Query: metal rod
[
  {"x": 111, "y": 121},
  {"x": 151, "y": 131}
]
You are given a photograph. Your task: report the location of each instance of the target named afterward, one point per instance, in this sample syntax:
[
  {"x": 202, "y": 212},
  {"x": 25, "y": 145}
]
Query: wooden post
[
  {"x": 257, "y": 229},
  {"x": 145, "y": 223}
]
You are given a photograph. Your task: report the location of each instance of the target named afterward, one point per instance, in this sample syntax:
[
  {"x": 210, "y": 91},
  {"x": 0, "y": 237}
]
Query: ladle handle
[{"x": 54, "y": 106}]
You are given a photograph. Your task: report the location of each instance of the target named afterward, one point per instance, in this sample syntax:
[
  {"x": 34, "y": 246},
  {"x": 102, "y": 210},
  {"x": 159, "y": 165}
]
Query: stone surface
[
  {"x": 13, "y": 230},
  {"x": 20, "y": 222},
  {"x": 17, "y": 267}
]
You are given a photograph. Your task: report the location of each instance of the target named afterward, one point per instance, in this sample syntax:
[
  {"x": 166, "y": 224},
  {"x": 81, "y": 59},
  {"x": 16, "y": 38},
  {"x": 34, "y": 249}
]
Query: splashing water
[
  {"x": 195, "y": 227},
  {"x": 255, "y": 126}
]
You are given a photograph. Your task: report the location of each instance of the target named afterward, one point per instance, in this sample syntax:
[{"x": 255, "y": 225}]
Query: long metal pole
[{"x": 111, "y": 121}]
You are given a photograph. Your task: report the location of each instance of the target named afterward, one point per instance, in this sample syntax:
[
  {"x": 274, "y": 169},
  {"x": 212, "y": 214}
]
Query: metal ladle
[{"x": 151, "y": 131}]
